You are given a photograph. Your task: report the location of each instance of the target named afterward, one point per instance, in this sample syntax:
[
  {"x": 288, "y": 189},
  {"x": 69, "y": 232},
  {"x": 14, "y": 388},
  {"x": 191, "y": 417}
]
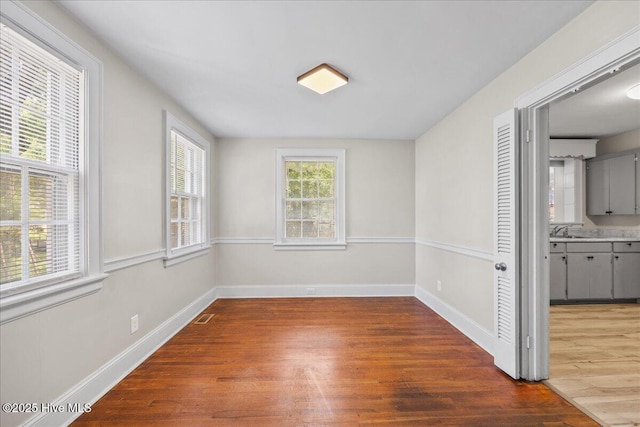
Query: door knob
[{"x": 501, "y": 266}]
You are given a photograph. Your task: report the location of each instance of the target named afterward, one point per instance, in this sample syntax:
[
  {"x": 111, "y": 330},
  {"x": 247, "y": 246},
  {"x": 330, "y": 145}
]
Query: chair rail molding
[
  {"x": 133, "y": 260},
  {"x": 458, "y": 249},
  {"x": 270, "y": 240}
]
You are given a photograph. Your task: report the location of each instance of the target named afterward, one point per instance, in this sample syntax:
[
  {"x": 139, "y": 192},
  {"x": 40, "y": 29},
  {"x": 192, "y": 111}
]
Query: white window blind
[
  {"x": 187, "y": 173},
  {"x": 40, "y": 127}
]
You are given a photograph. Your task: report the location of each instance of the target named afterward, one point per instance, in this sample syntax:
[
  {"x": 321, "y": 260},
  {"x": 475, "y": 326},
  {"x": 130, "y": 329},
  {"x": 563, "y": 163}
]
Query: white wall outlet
[
  {"x": 439, "y": 285},
  {"x": 311, "y": 291},
  {"x": 134, "y": 324}
]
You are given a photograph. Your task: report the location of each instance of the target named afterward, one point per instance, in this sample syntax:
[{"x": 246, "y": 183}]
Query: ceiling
[
  {"x": 233, "y": 64},
  {"x": 601, "y": 110}
]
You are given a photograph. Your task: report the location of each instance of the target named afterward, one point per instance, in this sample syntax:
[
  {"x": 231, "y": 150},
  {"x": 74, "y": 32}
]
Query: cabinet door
[
  {"x": 558, "y": 277},
  {"x": 637, "y": 184},
  {"x": 597, "y": 188},
  {"x": 600, "y": 280},
  {"x": 626, "y": 275},
  {"x": 622, "y": 185},
  {"x": 578, "y": 276},
  {"x": 589, "y": 276}
]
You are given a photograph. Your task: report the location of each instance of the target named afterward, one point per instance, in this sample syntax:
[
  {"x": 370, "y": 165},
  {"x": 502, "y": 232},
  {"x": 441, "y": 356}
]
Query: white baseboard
[
  {"x": 464, "y": 324},
  {"x": 101, "y": 381},
  {"x": 292, "y": 291}
]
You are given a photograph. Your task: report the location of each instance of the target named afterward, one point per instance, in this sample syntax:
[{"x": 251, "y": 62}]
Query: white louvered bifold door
[{"x": 505, "y": 273}]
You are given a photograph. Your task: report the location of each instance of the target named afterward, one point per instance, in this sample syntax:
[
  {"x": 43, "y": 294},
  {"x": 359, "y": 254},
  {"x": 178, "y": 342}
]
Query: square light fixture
[
  {"x": 634, "y": 92},
  {"x": 323, "y": 79}
]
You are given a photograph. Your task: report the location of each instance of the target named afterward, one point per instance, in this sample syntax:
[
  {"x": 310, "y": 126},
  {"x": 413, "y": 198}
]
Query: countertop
[{"x": 593, "y": 239}]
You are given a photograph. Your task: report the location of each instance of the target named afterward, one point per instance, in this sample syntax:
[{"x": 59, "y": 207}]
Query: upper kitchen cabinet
[
  {"x": 612, "y": 184},
  {"x": 637, "y": 186}
]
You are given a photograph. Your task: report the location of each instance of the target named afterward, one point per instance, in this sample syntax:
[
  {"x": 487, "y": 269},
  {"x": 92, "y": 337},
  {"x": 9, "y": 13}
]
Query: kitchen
[{"x": 594, "y": 212}]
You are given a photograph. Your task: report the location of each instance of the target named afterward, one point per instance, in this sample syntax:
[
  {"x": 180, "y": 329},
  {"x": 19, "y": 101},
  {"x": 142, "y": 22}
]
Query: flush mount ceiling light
[
  {"x": 634, "y": 92},
  {"x": 323, "y": 79}
]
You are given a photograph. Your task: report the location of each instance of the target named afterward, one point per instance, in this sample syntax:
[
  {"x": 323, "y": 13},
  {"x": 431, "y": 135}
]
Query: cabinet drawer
[
  {"x": 556, "y": 247},
  {"x": 589, "y": 247},
  {"x": 626, "y": 246}
]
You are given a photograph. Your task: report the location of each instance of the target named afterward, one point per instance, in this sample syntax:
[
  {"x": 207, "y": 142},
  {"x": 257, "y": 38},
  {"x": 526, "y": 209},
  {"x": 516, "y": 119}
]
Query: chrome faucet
[{"x": 562, "y": 227}]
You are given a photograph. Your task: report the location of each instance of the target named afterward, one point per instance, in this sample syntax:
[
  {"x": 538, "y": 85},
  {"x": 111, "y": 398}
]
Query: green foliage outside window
[{"x": 310, "y": 199}]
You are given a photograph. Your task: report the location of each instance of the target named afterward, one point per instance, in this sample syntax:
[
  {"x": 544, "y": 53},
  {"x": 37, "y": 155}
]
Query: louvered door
[{"x": 505, "y": 271}]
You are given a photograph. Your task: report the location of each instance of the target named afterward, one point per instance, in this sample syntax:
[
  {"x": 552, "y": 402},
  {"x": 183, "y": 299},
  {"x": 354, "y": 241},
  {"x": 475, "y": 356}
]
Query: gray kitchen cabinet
[
  {"x": 622, "y": 185},
  {"x": 597, "y": 188},
  {"x": 600, "y": 270},
  {"x": 611, "y": 185},
  {"x": 558, "y": 276},
  {"x": 626, "y": 270},
  {"x": 589, "y": 276},
  {"x": 589, "y": 270},
  {"x": 637, "y": 184}
]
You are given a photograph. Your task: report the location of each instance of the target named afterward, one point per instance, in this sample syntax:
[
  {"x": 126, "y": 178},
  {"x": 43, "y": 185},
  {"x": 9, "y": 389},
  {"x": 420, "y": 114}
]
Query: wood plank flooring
[
  {"x": 595, "y": 359},
  {"x": 325, "y": 362}
]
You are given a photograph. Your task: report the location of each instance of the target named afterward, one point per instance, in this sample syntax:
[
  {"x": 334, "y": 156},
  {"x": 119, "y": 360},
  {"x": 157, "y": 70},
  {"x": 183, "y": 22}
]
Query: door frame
[{"x": 533, "y": 109}]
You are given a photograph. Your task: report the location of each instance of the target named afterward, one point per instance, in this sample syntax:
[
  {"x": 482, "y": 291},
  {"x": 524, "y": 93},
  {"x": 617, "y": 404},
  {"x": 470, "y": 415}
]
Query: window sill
[
  {"x": 185, "y": 255},
  {"x": 25, "y": 303},
  {"x": 306, "y": 246}
]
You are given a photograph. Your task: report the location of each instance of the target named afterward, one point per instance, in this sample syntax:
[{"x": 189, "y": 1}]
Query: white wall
[
  {"x": 454, "y": 165},
  {"x": 379, "y": 204},
  {"x": 614, "y": 144},
  {"x": 621, "y": 142},
  {"x": 45, "y": 354}
]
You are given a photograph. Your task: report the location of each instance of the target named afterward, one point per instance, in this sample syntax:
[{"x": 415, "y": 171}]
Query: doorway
[
  {"x": 594, "y": 326},
  {"x": 533, "y": 107}
]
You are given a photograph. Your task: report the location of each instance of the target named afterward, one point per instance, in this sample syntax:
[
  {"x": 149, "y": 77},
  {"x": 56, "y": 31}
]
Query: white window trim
[
  {"x": 310, "y": 154},
  {"x": 173, "y": 257},
  {"x": 16, "y": 303}
]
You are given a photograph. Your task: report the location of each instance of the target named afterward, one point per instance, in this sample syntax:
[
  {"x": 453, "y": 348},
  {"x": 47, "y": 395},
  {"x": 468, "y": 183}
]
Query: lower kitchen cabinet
[
  {"x": 583, "y": 271},
  {"x": 558, "y": 276},
  {"x": 626, "y": 275},
  {"x": 589, "y": 276}
]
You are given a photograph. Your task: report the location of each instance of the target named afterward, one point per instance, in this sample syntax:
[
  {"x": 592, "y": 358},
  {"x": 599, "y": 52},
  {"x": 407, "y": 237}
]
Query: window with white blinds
[
  {"x": 40, "y": 132},
  {"x": 187, "y": 191}
]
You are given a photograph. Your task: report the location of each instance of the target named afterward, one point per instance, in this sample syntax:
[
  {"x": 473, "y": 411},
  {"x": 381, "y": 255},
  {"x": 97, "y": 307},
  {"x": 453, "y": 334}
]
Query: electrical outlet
[
  {"x": 311, "y": 291},
  {"x": 439, "y": 285},
  {"x": 134, "y": 324}
]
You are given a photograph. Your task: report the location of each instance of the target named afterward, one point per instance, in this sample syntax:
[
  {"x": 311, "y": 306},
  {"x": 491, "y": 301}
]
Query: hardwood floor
[
  {"x": 326, "y": 362},
  {"x": 595, "y": 359}
]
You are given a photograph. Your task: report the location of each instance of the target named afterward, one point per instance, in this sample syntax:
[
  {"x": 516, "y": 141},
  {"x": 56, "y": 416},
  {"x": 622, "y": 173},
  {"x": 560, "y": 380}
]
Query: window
[
  {"x": 310, "y": 199},
  {"x": 49, "y": 166},
  {"x": 565, "y": 190},
  {"x": 556, "y": 191},
  {"x": 187, "y": 190}
]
